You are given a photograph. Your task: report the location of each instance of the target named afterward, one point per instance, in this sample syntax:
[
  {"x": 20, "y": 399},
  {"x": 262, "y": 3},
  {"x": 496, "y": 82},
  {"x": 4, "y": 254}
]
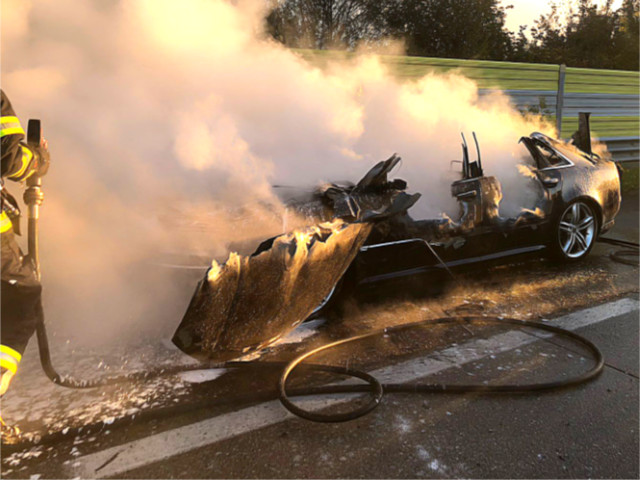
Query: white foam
[{"x": 200, "y": 376}]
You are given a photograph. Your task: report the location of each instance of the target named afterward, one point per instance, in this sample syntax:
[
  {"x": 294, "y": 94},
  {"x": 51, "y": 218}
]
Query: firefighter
[{"x": 20, "y": 296}]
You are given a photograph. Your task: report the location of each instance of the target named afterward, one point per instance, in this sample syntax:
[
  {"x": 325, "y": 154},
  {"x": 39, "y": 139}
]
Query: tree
[
  {"x": 627, "y": 35},
  {"x": 325, "y": 24},
  {"x": 588, "y": 36},
  {"x": 592, "y": 36},
  {"x": 520, "y": 46},
  {"x": 447, "y": 28},
  {"x": 548, "y": 41},
  {"x": 451, "y": 28}
]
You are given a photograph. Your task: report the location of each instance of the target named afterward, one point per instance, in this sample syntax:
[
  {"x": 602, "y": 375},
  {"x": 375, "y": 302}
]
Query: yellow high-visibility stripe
[
  {"x": 10, "y": 351},
  {"x": 5, "y": 223},
  {"x": 8, "y": 364},
  {"x": 11, "y": 131},
  {"x": 27, "y": 156},
  {"x": 9, "y": 122},
  {"x": 9, "y": 358},
  {"x": 10, "y": 125}
]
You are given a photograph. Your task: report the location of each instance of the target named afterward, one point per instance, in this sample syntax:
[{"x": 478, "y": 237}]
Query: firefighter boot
[{"x": 9, "y": 434}]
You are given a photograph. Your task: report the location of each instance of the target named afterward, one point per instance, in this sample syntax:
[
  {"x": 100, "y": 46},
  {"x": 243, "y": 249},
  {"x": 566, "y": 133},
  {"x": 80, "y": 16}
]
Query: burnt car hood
[{"x": 249, "y": 302}]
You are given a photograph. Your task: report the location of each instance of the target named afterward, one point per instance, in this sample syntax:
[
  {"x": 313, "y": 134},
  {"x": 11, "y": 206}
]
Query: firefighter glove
[{"x": 43, "y": 159}]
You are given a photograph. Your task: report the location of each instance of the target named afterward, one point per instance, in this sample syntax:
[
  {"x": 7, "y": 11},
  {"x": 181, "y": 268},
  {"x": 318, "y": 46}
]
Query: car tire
[{"x": 575, "y": 231}]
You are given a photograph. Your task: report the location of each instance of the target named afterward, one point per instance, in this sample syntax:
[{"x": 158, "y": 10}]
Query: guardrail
[
  {"x": 623, "y": 149},
  {"x": 612, "y": 114},
  {"x": 611, "y": 96},
  {"x": 599, "y": 104}
]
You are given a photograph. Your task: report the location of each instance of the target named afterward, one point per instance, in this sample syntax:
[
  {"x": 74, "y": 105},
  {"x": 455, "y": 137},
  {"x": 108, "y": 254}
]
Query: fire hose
[
  {"x": 373, "y": 387},
  {"x": 628, "y": 256}
]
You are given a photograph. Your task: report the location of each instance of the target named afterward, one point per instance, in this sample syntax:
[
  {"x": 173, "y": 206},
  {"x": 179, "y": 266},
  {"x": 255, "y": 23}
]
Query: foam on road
[{"x": 155, "y": 448}]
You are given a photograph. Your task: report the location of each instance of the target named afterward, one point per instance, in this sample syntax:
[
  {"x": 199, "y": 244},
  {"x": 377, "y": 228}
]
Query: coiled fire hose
[{"x": 373, "y": 387}]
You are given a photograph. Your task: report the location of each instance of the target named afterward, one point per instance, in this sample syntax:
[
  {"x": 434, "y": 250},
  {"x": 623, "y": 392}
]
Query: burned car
[
  {"x": 250, "y": 301},
  {"x": 363, "y": 234},
  {"x": 578, "y": 198}
]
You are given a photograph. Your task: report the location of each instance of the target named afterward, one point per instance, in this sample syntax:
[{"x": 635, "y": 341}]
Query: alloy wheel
[{"x": 576, "y": 231}]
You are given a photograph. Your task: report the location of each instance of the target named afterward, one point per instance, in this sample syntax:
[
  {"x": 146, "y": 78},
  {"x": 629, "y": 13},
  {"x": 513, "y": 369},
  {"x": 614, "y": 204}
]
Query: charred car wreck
[
  {"x": 250, "y": 301},
  {"x": 365, "y": 235}
]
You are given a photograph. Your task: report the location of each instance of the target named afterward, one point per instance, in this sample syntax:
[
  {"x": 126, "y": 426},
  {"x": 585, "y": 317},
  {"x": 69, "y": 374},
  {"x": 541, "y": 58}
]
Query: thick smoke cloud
[{"x": 169, "y": 122}]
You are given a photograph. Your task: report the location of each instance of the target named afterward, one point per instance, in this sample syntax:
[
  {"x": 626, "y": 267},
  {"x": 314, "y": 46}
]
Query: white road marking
[
  {"x": 199, "y": 376},
  {"x": 145, "y": 451}
]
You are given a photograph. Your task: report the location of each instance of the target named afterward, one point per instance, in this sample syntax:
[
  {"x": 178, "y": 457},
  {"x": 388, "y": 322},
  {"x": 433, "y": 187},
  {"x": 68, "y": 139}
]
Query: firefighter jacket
[
  {"x": 18, "y": 160},
  {"x": 20, "y": 295}
]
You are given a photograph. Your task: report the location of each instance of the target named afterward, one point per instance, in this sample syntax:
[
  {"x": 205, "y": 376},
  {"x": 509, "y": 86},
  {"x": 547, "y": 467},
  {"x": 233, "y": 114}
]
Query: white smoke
[{"x": 167, "y": 118}]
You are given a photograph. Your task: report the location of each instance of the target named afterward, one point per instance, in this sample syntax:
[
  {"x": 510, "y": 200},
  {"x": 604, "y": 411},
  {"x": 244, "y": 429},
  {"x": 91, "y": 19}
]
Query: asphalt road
[{"x": 590, "y": 431}]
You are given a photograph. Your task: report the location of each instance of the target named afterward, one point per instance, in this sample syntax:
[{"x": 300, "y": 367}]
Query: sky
[{"x": 524, "y": 12}]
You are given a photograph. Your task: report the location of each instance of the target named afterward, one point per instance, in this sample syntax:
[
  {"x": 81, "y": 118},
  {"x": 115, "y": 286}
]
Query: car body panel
[{"x": 403, "y": 247}]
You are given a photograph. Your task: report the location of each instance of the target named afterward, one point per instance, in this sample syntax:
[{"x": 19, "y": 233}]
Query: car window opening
[{"x": 550, "y": 156}]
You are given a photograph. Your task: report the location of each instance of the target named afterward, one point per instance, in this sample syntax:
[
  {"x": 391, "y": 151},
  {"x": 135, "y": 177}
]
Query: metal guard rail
[{"x": 623, "y": 149}]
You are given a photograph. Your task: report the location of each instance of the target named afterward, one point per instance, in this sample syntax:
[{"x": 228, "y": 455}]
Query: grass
[{"x": 630, "y": 179}]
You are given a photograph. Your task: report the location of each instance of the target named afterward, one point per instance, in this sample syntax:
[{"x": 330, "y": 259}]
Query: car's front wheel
[{"x": 576, "y": 231}]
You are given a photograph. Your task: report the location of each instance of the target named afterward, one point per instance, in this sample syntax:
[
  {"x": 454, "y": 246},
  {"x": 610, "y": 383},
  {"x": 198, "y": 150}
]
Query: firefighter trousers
[{"x": 20, "y": 298}]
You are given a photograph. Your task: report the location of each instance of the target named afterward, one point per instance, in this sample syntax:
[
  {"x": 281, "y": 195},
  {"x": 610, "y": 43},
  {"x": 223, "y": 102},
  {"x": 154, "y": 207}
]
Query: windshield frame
[{"x": 553, "y": 145}]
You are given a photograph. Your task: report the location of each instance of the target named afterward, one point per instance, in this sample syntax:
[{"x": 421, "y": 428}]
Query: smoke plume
[{"x": 168, "y": 122}]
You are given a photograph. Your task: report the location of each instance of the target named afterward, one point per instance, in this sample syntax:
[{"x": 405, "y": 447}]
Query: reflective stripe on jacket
[
  {"x": 5, "y": 222},
  {"x": 10, "y": 125},
  {"x": 9, "y": 358},
  {"x": 18, "y": 160}
]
